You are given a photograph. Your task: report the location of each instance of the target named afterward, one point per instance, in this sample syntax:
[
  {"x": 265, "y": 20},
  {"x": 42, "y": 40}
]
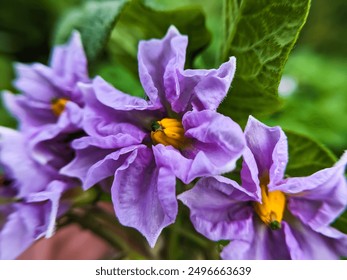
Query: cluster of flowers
[{"x": 75, "y": 130}]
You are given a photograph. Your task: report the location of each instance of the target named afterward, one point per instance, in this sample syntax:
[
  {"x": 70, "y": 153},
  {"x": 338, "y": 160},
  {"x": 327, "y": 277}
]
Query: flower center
[
  {"x": 270, "y": 211},
  {"x": 58, "y": 105},
  {"x": 168, "y": 132},
  {"x": 4, "y": 181}
]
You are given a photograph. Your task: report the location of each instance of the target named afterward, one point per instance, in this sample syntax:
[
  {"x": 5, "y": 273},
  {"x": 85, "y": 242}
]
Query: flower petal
[
  {"x": 30, "y": 112},
  {"x": 317, "y": 200},
  {"x": 30, "y": 220},
  {"x": 217, "y": 143},
  {"x": 109, "y": 112},
  {"x": 267, "y": 244},
  {"x": 23, "y": 169},
  {"x": 159, "y": 59},
  {"x": 69, "y": 61},
  {"x": 202, "y": 89},
  {"x": 15, "y": 237},
  {"x": 92, "y": 165},
  {"x": 250, "y": 174},
  {"x": 144, "y": 195},
  {"x": 50, "y": 203},
  {"x": 219, "y": 209},
  {"x": 269, "y": 148},
  {"x": 306, "y": 244}
]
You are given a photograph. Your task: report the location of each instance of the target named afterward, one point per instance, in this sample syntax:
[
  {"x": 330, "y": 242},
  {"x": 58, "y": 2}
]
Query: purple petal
[
  {"x": 144, "y": 195},
  {"x": 219, "y": 209},
  {"x": 158, "y": 62},
  {"x": 113, "y": 98},
  {"x": 202, "y": 89},
  {"x": 269, "y": 148},
  {"x": 35, "y": 86},
  {"x": 30, "y": 112},
  {"x": 50, "y": 143},
  {"x": 49, "y": 200},
  {"x": 15, "y": 237},
  {"x": 69, "y": 61},
  {"x": 250, "y": 173},
  {"x": 41, "y": 84},
  {"x": 305, "y": 244},
  {"x": 217, "y": 142},
  {"x": 92, "y": 165},
  {"x": 30, "y": 220},
  {"x": 266, "y": 244},
  {"x": 317, "y": 200},
  {"x": 24, "y": 170},
  {"x": 109, "y": 112}
]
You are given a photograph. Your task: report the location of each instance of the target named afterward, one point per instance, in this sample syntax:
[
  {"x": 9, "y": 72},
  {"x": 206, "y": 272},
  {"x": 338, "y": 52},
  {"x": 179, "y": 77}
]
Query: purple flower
[
  {"x": 270, "y": 217},
  {"x": 29, "y": 196},
  {"x": 147, "y": 144},
  {"x": 49, "y": 106}
]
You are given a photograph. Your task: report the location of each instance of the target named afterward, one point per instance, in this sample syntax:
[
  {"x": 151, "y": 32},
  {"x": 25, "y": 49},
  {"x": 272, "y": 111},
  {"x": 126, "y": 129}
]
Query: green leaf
[
  {"x": 138, "y": 22},
  {"x": 306, "y": 156},
  {"x": 94, "y": 20},
  {"x": 260, "y": 34},
  {"x": 318, "y": 104},
  {"x": 341, "y": 223}
]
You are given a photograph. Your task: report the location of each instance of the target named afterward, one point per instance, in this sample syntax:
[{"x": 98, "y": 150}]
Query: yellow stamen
[
  {"x": 58, "y": 105},
  {"x": 270, "y": 211},
  {"x": 168, "y": 132}
]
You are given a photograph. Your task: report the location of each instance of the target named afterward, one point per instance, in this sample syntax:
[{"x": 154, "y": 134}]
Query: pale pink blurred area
[{"x": 69, "y": 243}]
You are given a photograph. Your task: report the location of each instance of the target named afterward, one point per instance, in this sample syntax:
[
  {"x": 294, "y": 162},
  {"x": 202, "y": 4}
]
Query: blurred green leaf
[
  {"x": 260, "y": 34},
  {"x": 139, "y": 22},
  {"x": 341, "y": 223},
  {"x": 94, "y": 20},
  {"x": 120, "y": 77},
  {"x": 318, "y": 105},
  {"x": 306, "y": 156}
]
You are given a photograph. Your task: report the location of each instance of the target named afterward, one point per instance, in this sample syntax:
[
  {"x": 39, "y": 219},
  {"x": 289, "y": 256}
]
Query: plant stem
[{"x": 105, "y": 226}]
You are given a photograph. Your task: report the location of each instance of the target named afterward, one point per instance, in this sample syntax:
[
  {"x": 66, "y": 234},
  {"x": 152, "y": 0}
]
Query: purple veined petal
[
  {"x": 267, "y": 244},
  {"x": 144, "y": 196},
  {"x": 24, "y": 170},
  {"x": 40, "y": 84},
  {"x": 15, "y": 236},
  {"x": 220, "y": 209},
  {"x": 306, "y": 244},
  {"x": 84, "y": 159},
  {"x": 50, "y": 200},
  {"x": 171, "y": 158},
  {"x": 50, "y": 143},
  {"x": 118, "y": 140},
  {"x": 25, "y": 222},
  {"x": 31, "y": 82},
  {"x": 203, "y": 89},
  {"x": 69, "y": 61},
  {"x": 31, "y": 113},
  {"x": 250, "y": 174},
  {"x": 159, "y": 59},
  {"x": 269, "y": 147},
  {"x": 317, "y": 200},
  {"x": 92, "y": 165},
  {"x": 215, "y": 148},
  {"x": 71, "y": 118},
  {"x": 113, "y": 98},
  {"x": 110, "y": 112}
]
